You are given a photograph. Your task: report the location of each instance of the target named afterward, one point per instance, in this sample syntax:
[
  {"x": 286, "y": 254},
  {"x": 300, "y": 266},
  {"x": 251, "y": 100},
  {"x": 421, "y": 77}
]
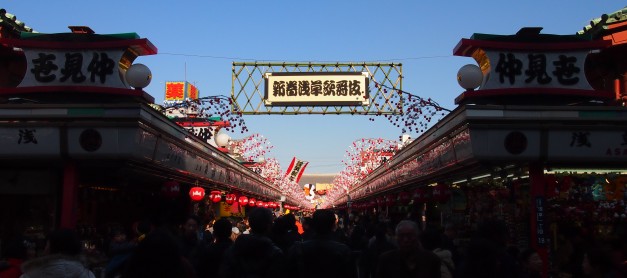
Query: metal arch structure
[{"x": 247, "y": 90}]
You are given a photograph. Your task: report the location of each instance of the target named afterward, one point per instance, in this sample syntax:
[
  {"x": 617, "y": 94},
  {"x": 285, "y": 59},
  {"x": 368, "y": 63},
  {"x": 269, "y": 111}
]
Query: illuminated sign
[{"x": 316, "y": 89}]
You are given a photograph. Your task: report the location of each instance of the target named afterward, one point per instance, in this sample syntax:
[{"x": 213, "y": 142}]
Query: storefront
[
  {"x": 85, "y": 148},
  {"x": 538, "y": 140}
]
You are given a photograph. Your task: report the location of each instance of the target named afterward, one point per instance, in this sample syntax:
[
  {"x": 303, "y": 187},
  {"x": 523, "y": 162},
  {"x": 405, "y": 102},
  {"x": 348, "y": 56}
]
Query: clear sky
[{"x": 199, "y": 40}]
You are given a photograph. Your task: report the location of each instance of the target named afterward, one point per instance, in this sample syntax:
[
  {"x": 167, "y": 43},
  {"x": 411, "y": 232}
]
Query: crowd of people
[{"x": 320, "y": 245}]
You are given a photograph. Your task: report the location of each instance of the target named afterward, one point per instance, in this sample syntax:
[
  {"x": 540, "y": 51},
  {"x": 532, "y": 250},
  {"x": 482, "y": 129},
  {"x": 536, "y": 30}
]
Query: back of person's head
[
  {"x": 290, "y": 220},
  {"x": 222, "y": 228},
  {"x": 323, "y": 221},
  {"x": 158, "y": 255},
  {"x": 260, "y": 220},
  {"x": 64, "y": 241}
]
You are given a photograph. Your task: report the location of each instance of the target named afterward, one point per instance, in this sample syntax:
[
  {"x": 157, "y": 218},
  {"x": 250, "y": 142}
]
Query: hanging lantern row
[
  {"x": 197, "y": 193},
  {"x": 290, "y": 207}
]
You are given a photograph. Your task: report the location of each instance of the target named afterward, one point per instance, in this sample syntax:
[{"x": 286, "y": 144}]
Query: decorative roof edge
[
  {"x": 598, "y": 25},
  {"x": 11, "y": 20}
]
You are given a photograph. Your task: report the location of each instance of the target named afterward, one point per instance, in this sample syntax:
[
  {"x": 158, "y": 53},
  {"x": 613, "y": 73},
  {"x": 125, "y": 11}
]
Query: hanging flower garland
[
  {"x": 361, "y": 158},
  {"x": 416, "y": 112},
  {"x": 206, "y": 108},
  {"x": 252, "y": 147}
]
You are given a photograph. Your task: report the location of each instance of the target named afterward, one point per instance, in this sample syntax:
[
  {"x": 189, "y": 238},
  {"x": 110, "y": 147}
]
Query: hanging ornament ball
[
  {"x": 469, "y": 77},
  {"x": 138, "y": 76}
]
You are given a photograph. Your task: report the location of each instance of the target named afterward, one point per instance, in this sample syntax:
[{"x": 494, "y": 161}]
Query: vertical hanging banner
[{"x": 296, "y": 169}]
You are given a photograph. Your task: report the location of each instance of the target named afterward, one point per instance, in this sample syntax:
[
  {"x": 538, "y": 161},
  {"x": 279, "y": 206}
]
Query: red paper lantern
[
  {"x": 441, "y": 193},
  {"x": 405, "y": 197},
  {"x": 259, "y": 204},
  {"x": 197, "y": 193},
  {"x": 230, "y": 198},
  {"x": 243, "y": 200},
  {"x": 215, "y": 196},
  {"x": 252, "y": 202},
  {"x": 170, "y": 189},
  {"x": 265, "y": 204}
]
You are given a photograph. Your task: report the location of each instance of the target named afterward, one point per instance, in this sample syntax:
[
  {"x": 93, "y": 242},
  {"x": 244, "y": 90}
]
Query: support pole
[{"x": 69, "y": 197}]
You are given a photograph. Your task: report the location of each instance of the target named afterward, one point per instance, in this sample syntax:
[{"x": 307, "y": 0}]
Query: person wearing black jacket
[
  {"x": 322, "y": 255},
  {"x": 254, "y": 255}
]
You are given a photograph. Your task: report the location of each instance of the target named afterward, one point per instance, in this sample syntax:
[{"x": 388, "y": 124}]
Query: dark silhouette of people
[
  {"x": 379, "y": 245},
  {"x": 323, "y": 255},
  {"x": 410, "y": 259},
  {"x": 285, "y": 232},
  {"x": 61, "y": 260},
  {"x": 190, "y": 242},
  {"x": 158, "y": 255},
  {"x": 530, "y": 264},
  {"x": 211, "y": 258},
  {"x": 254, "y": 254},
  {"x": 486, "y": 254},
  {"x": 431, "y": 239},
  {"x": 119, "y": 250}
]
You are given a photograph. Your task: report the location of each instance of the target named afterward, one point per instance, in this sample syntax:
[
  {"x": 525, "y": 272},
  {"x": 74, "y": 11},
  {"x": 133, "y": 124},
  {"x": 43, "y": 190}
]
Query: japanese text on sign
[
  {"x": 540, "y": 231},
  {"x": 532, "y": 69},
  {"x": 79, "y": 68},
  {"x": 349, "y": 88}
]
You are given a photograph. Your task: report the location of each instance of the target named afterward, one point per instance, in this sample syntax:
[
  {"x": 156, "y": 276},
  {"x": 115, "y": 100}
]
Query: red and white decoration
[
  {"x": 196, "y": 193},
  {"x": 215, "y": 196},
  {"x": 296, "y": 169},
  {"x": 230, "y": 198}
]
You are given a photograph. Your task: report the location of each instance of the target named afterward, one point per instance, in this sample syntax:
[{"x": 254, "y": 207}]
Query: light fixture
[
  {"x": 469, "y": 77},
  {"x": 138, "y": 76}
]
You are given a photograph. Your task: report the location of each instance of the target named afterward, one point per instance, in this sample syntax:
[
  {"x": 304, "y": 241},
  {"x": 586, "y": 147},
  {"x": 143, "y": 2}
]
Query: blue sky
[{"x": 199, "y": 40}]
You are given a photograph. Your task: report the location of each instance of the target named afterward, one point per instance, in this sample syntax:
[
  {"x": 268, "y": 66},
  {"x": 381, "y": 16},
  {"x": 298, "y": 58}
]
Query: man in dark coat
[
  {"x": 254, "y": 255},
  {"x": 410, "y": 259},
  {"x": 323, "y": 255},
  {"x": 211, "y": 257}
]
